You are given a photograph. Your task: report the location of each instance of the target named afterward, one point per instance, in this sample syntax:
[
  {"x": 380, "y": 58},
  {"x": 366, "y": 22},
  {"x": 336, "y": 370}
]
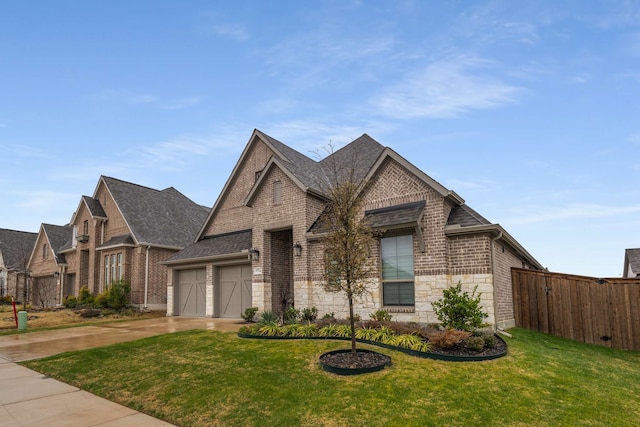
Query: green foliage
[
  {"x": 5, "y": 299},
  {"x": 270, "y": 329},
  {"x": 268, "y": 317},
  {"x": 308, "y": 330},
  {"x": 70, "y": 301},
  {"x": 474, "y": 342},
  {"x": 331, "y": 315},
  {"x": 249, "y": 314},
  {"x": 366, "y": 334},
  {"x": 458, "y": 309},
  {"x": 489, "y": 340},
  {"x": 290, "y": 330},
  {"x": 343, "y": 331},
  {"x": 381, "y": 316},
  {"x": 85, "y": 297},
  {"x": 291, "y": 314},
  {"x": 384, "y": 334},
  {"x": 116, "y": 296},
  {"x": 309, "y": 314},
  {"x": 410, "y": 341}
]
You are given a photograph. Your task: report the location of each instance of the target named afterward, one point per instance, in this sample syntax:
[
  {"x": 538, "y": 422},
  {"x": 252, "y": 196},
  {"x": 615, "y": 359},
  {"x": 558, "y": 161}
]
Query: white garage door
[
  {"x": 191, "y": 293},
  {"x": 234, "y": 291}
]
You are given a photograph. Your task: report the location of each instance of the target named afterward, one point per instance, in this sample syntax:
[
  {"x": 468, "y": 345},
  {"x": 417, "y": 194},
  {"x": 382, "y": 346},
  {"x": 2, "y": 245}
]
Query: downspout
[
  {"x": 493, "y": 274},
  {"x": 146, "y": 277}
]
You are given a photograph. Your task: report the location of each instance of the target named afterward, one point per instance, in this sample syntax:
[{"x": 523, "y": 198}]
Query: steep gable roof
[
  {"x": 632, "y": 259},
  {"x": 59, "y": 237},
  {"x": 16, "y": 248},
  {"x": 156, "y": 217},
  {"x": 464, "y": 216}
]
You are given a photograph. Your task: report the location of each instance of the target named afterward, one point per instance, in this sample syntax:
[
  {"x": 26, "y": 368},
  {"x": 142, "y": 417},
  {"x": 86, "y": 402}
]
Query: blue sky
[{"x": 529, "y": 110}]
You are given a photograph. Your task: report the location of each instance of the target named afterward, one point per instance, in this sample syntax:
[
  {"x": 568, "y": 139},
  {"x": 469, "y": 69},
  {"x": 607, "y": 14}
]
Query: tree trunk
[{"x": 353, "y": 326}]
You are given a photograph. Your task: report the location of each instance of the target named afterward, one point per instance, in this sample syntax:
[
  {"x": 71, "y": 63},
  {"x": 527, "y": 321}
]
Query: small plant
[
  {"x": 329, "y": 331},
  {"x": 249, "y": 314},
  {"x": 290, "y": 330},
  {"x": 410, "y": 341},
  {"x": 448, "y": 338},
  {"x": 489, "y": 340},
  {"x": 291, "y": 314},
  {"x": 270, "y": 329},
  {"x": 381, "y": 316},
  {"x": 474, "y": 342},
  {"x": 458, "y": 309},
  {"x": 308, "y": 330},
  {"x": 368, "y": 334},
  {"x": 309, "y": 314},
  {"x": 384, "y": 334},
  {"x": 356, "y": 317},
  {"x": 343, "y": 331},
  {"x": 70, "y": 301},
  {"x": 268, "y": 317},
  {"x": 331, "y": 315},
  {"x": 85, "y": 297}
]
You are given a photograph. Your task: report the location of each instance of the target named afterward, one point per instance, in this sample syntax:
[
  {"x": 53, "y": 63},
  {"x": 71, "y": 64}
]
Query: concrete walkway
[{"x": 28, "y": 398}]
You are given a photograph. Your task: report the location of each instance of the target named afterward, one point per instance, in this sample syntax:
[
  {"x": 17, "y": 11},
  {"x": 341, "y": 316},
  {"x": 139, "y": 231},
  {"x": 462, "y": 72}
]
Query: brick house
[
  {"x": 124, "y": 231},
  {"x": 15, "y": 250},
  {"x": 47, "y": 265},
  {"x": 261, "y": 246}
]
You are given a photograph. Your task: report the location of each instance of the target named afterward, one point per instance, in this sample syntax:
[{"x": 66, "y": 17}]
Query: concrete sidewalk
[{"x": 28, "y": 398}]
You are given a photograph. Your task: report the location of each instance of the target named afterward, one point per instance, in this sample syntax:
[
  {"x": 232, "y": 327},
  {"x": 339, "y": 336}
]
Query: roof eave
[{"x": 206, "y": 259}]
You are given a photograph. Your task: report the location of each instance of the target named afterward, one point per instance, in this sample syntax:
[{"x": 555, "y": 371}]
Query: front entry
[
  {"x": 191, "y": 293},
  {"x": 234, "y": 290}
]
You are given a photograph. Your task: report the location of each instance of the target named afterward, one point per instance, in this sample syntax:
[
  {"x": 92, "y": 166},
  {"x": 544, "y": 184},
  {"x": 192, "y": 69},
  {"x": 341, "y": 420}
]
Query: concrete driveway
[{"x": 28, "y": 398}]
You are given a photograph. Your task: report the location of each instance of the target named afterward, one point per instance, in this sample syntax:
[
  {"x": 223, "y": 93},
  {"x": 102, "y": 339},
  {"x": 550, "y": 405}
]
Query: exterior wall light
[
  {"x": 297, "y": 249},
  {"x": 254, "y": 254}
]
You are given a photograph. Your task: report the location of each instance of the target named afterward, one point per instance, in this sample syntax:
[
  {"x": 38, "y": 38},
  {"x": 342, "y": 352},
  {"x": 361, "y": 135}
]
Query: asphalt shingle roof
[
  {"x": 59, "y": 238},
  {"x": 16, "y": 247},
  {"x": 395, "y": 215},
  {"x": 464, "y": 216},
  {"x": 210, "y": 246},
  {"x": 95, "y": 208},
  {"x": 633, "y": 256},
  {"x": 157, "y": 217}
]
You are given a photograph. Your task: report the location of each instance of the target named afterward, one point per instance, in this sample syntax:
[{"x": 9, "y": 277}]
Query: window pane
[
  {"x": 398, "y": 293},
  {"x": 397, "y": 257}
]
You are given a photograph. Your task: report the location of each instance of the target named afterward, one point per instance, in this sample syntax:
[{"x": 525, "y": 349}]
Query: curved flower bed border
[
  {"x": 354, "y": 371},
  {"x": 424, "y": 355}
]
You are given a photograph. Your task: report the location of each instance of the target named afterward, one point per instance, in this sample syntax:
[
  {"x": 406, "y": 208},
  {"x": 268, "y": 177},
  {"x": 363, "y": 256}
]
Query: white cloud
[
  {"x": 143, "y": 99},
  {"x": 446, "y": 88}
]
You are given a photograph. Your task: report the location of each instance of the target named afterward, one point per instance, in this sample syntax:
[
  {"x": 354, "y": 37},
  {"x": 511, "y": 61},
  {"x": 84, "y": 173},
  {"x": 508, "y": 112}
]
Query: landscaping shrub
[
  {"x": 458, "y": 309},
  {"x": 249, "y": 314},
  {"x": 474, "y": 342},
  {"x": 448, "y": 338},
  {"x": 331, "y": 315},
  {"x": 309, "y": 314},
  {"x": 489, "y": 340},
  {"x": 85, "y": 297},
  {"x": 268, "y": 317},
  {"x": 291, "y": 314},
  {"x": 70, "y": 301},
  {"x": 381, "y": 316}
]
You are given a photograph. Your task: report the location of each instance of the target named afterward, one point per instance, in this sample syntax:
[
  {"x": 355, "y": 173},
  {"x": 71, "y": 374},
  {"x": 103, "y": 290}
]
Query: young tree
[{"x": 348, "y": 236}]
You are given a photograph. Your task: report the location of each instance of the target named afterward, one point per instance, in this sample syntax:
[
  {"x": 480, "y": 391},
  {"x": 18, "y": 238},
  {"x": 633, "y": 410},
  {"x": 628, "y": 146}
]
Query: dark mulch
[
  {"x": 361, "y": 360},
  {"x": 458, "y": 350}
]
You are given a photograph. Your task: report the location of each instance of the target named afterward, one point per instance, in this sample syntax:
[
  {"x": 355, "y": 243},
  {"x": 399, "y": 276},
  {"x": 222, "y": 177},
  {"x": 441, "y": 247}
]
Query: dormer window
[{"x": 85, "y": 227}]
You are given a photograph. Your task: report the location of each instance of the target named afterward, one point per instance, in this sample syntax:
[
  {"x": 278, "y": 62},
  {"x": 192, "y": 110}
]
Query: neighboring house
[
  {"x": 48, "y": 265},
  {"x": 122, "y": 232},
  {"x": 15, "y": 250},
  {"x": 261, "y": 245},
  {"x": 631, "y": 263}
]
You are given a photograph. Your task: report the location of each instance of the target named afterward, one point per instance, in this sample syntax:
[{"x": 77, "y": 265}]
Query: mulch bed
[
  {"x": 459, "y": 351},
  {"x": 361, "y": 360}
]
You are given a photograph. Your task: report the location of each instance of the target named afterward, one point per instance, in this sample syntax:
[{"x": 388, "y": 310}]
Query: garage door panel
[
  {"x": 191, "y": 293},
  {"x": 234, "y": 292}
]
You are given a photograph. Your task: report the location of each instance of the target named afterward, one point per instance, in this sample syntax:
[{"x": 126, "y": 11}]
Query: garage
[
  {"x": 190, "y": 297},
  {"x": 234, "y": 290}
]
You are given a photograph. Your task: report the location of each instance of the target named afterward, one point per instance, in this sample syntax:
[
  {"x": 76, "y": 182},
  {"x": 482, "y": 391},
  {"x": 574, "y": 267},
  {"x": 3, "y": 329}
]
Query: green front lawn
[{"x": 204, "y": 378}]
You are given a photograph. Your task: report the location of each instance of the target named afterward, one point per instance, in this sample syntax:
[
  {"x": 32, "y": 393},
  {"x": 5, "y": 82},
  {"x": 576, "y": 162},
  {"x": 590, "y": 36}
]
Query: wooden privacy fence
[{"x": 586, "y": 309}]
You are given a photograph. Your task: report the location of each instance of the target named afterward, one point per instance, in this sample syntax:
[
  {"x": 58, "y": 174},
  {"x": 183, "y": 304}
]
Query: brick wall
[{"x": 504, "y": 259}]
